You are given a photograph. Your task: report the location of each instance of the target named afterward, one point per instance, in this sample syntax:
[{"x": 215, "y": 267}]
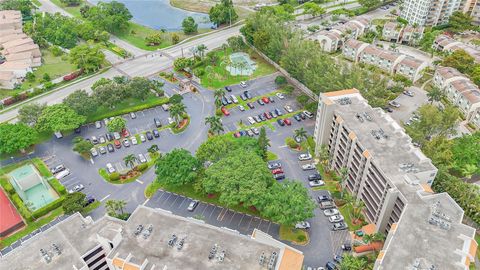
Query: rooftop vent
[
  {"x": 344, "y": 101},
  {"x": 367, "y": 116},
  {"x": 172, "y": 240},
  {"x": 273, "y": 261},
  {"x": 359, "y": 117},
  {"x": 148, "y": 231},
  {"x": 439, "y": 218},
  {"x": 261, "y": 261},
  {"x": 138, "y": 230},
  {"x": 45, "y": 255},
  {"x": 379, "y": 134},
  {"x": 180, "y": 243},
  {"x": 56, "y": 249},
  {"x": 213, "y": 252}
]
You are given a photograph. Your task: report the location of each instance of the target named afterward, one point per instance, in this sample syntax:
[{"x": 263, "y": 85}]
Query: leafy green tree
[
  {"x": 435, "y": 95},
  {"x": 71, "y": 3},
  {"x": 287, "y": 203},
  {"x": 215, "y": 123},
  {"x": 154, "y": 39},
  {"x": 439, "y": 150},
  {"x": 111, "y": 16},
  {"x": 217, "y": 147},
  {"x": 351, "y": 262},
  {"x": 73, "y": 202},
  {"x": 189, "y": 25},
  {"x": 475, "y": 75},
  {"x": 82, "y": 146},
  {"x": 153, "y": 149},
  {"x": 313, "y": 9},
  {"x": 55, "y": 29},
  {"x": 139, "y": 87},
  {"x": 108, "y": 95},
  {"x": 177, "y": 168},
  {"x": 30, "y": 76},
  {"x": 369, "y": 3},
  {"x": 81, "y": 102},
  {"x": 29, "y": 113},
  {"x": 218, "y": 94},
  {"x": 59, "y": 117},
  {"x": 223, "y": 13},
  {"x": 280, "y": 80},
  {"x": 460, "y": 60},
  {"x": 465, "y": 154},
  {"x": 460, "y": 21},
  {"x": 236, "y": 43},
  {"x": 130, "y": 160},
  {"x": 25, "y": 6},
  {"x": 182, "y": 63},
  {"x": 263, "y": 143},
  {"x": 116, "y": 124},
  {"x": 177, "y": 110},
  {"x": 175, "y": 38},
  {"x": 240, "y": 177},
  {"x": 90, "y": 59},
  {"x": 114, "y": 206},
  {"x": 14, "y": 137}
]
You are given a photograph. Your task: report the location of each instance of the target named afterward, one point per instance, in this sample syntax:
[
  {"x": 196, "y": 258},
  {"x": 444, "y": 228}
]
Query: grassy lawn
[
  {"x": 297, "y": 236},
  {"x": 271, "y": 156},
  {"x": 220, "y": 77},
  {"x": 85, "y": 211},
  {"x": 204, "y": 7},
  {"x": 75, "y": 11},
  {"x": 55, "y": 66},
  {"x": 346, "y": 211},
  {"x": 32, "y": 226}
]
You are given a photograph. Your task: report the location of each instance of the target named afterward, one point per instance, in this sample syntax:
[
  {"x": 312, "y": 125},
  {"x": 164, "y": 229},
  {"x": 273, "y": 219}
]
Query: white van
[
  {"x": 62, "y": 174},
  {"x": 58, "y": 134}
]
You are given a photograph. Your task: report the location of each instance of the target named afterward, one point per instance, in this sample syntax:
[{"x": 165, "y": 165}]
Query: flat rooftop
[
  {"x": 390, "y": 147},
  {"x": 241, "y": 252}
]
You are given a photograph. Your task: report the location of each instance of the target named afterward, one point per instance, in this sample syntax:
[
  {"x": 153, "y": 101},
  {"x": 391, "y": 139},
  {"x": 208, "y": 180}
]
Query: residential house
[
  {"x": 330, "y": 41},
  {"x": 353, "y": 48},
  {"x": 398, "y": 33},
  {"x": 7, "y": 80},
  {"x": 411, "y": 68},
  {"x": 384, "y": 59},
  {"x": 448, "y": 44},
  {"x": 333, "y": 39},
  {"x": 392, "y": 32},
  {"x": 445, "y": 75},
  {"x": 412, "y": 35}
]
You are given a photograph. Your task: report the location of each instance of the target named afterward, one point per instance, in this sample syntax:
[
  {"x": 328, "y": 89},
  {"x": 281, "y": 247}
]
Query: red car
[
  {"x": 268, "y": 115},
  {"x": 225, "y": 111},
  {"x": 117, "y": 144},
  {"x": 125, "y": 133},
  {"x": 277, "y": 171},
  {"x": 236, "y": 135},
  {"x": 287, "y": 121},
  {"x": 266, "y": 100}
]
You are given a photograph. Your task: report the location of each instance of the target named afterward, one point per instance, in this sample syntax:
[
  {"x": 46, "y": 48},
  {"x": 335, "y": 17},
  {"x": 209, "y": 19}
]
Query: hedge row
[
  {"x": 17, "y": 201},
  {"x": 7, "y": 186},
  {"x": 57, "y": 186},
  {"x": 49, "y": 207},
  {"x": 142, "y": 167}
]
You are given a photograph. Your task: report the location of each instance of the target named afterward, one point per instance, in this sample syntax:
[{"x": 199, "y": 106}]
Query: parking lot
[
  {"x": 409, "y": 104},
  {"x": 212, "y": 214}
]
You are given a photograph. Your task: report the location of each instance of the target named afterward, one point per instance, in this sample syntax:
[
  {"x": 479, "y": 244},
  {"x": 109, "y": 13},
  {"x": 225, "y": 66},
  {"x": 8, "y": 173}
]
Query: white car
[
  {"x": 102, "y": 150},
  {"x": 316, "y": 183},
  {"x": 243, "y": 84},
  {"x": 305, "y": 156},
  {"x": 105, "y": 121},
  {"x": 251, "y": 120},
  {"x": 280, "y": 95},
  {"x": 394, "y": 104},
  {"x": 302, "y": 225},
  {"x": 241, "y": 108},
  {"x": 234, "y": 99},
  {"x": 76, "y": 188},
  {"x": 94, "y": 152},
  {"x": 142, "y": 158},
  {"x": 133, "y": 115},
  {"x": 98, "y": 124},
  {"x": 170, "y": 120},
  {"x": 308, "y": 114},
  {"x": 62, "y": 174},
  {"x": 134, "y": 140},
  {"x": 288, "y": 108},
  {"x": 331, "y": 212},
  {"x": 101, "y": 139},
  {"x": 116, "y": 135},
  {"x": 142, "y": 138},
  {"x": 110, "y": 168},
  {"x": 309, "y": 166},
  {"x": 335, "y": 218}
]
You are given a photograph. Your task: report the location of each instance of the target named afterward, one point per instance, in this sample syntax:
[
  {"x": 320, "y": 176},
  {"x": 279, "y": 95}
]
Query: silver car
[{"x": 142, "y": 158}]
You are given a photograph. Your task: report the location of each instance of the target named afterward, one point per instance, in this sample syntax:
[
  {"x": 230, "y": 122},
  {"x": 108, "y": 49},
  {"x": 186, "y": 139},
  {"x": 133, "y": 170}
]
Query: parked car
[
  {"x": 278, "y": 111},
  {"x": 280, "y": 95},
  {"x": 149, "y": 135},
  {"x": 156, "y": 133},
  {"x": 302, "y": 115},
  {"x": 142, "y": 138},
  {"x": 338, "y": 258},
  {"x": 134, "y": 140},
  {"x": 327, "y": 205},
  {"x": 267, "y": 115},
  {"x": 297, "y": 117},
  {"x": 225, "y": 111},
  {"x": 157, "y": 122},
  {"x": 335, "y": 218},
  {"x": 305, "y": 156},
  {"x": 274, "y": 165},
  {"x": 250, "y": 105},
  {"x": 250, "y": 133},
  {"x": 76, "y": 188},
  {"x": 280, "y": 122},
  {"x": 279, "y": 176},
  {"x": 94, "y": 152},
  {"x": 126, "y": 142},
  {"x": 308, "y": 114},
  {"x": 229, "y": 100},
  {"x": 228, "y": 88},
  {"x": 288, "y": 108},
  {"x": 116, "y": 136},
  {"x": 309, "y": 166},
  {"x": 170, "y": 120},
  {"x": 393, "y": 103},
  {"x": 98, "y": 124},
  {"x": 241, "y": 108},
  {"x": 243, "y": 97},
  {"x": 347, "y": 247},
  {"x": 255, "y": 131},
  {"x": 262, "y": 117},
  {"x": 287, "y": 121},
  {"x": 388, "y": 109},
  {"x": 62, "y": 174},
  {"x": 58, "y": 169},
  {"x": 277, "y": 171},
  {"x": 110, "y": 148},
  {"x": 324, "y": 198},
  {"x": 94, "y": 140},
  {"x": 78, "y": 130},
  {"x": 339, "y": 226},
  {"x": 271, "y": 100},
  {"x": 243, "y": 84},
  {"x": 302, "y": 225},
  {"x": 234, "y": 99},
  {"x": 117, "y": 144},
  {"x": 224, "y": 101},
  {"x": 408, "y": 93},
  {"x": 133, "y": 115},
  {"x": 331, "y": 212},
  {"x": 193, "y": 204},
  {"x": 109, "y": 136},
  {"x": 261, "y": 102},
  {"x": 110, "y": 168},
  {"x": 330, "y": 266},
  {"x": 258, "y": 119},
  {"x": 101, "y": 139},
  {"x": 315, "y": 176},
  {"x": 266, "y": 100},
  {"x": 102, "y": 150},
  {"x": 89, "y": 200},
  {"x": 251, "y": 120},
  {"x": 316, "y": 183},
  {"x": 236, "y": 134},
  {"x": 142, "y": 158}
]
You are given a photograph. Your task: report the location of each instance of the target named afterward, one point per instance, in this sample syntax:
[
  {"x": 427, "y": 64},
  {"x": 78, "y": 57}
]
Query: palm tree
[
  {"x": 209, "y": 72},
  {"x": 215, "y": 123},
  {"x": 357, "y": 208},
  {"x": 201, "y": 50},
  {"x": 435, "y": 94},
  {"x": 120, "y": 204},
  {"x": 153, "y": 149},
  {"x": 110, "y": 205},
  {"x": 176, "y": 111},
  {"x": 324, "y": 155},
  {"x": 343, "y": 180},
  {"x": 242, "y": 65},
  {"x": 301, "y": 133},
  {"x": 350, "y": 262},
  {"x": 218, "y": 94},
  {"x": 130, "y": 160},
  {"x": 224, "y": 64}
]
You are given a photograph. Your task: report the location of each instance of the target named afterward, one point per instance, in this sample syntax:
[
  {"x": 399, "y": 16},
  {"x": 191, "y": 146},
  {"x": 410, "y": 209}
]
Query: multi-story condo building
[
  {"x": 396, "y": 32},
  {"x": 447, "y": 44},
  {"x": 429, "y": 12},
  {"x": 393, "y": 179},
  {"x": 462, "y": 92},
  {"x": 150, "y": 239}
]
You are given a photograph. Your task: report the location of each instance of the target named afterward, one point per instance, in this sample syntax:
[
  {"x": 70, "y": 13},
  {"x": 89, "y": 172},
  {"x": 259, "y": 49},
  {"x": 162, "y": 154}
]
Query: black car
[
  {"x": 388, "y": 109},
  {"x": 347, "y": 247},
  {"x": 324, "y": 198},
  {"x": 109, "y": 137},
  {"x": 157, "y": 122},
  {"x": 338, "y": 258},
  {"x": 247, "y": 94},
  {"x": 243, "y": 133},
  {"x": 297, "y": 117},
  {"x": 243, "y": 97},
  {"x": 89, "y": 200},
  {"x": 262, "y": 117},
  {"x": 228, "y": 88},
  {"x": 278, "y": 111},
  {"x": 302, "y": 115},
  {"x": 250, "y": 105},
  {"x": 330, "y": 266},
  {"x": 271, "y": 99},
  {"x": 78, "y": 130},
  {"x": 149, "y": 135},
  {"x": 279, "y": 176},
  {"x": 274, "y": 165},
  {"x": 156, "y": 133},
  {"x": 315, "y": 176},
  {"x": 110, "y": 147},
  {"x": 260, "y": 101},
  {"x": 280, "y": 122}
]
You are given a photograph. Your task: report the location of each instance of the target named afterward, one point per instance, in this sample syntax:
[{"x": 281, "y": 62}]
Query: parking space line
[
  {"x": 205, "y": 208},
  {"x": 215, "y": 207},
  {"x": 184, "y": 200},
  {"x": 268, "y": 229},
  {"x": 104, "y": 198},
  {"x": 240, "y": 220},
  {"x": 220, "y": 214},
  {"x": 139, "y": 181},
  {"x": 234, "y": 213},
  {"x": 176, "y": 197}
]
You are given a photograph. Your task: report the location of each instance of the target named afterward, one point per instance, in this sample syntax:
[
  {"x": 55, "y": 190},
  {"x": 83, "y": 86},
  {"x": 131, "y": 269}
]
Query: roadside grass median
[{"x": 295, "y": 236}]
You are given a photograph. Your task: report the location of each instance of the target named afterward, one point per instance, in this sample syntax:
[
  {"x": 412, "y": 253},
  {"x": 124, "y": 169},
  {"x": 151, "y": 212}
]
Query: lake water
[{"x": 159, "y": 14}]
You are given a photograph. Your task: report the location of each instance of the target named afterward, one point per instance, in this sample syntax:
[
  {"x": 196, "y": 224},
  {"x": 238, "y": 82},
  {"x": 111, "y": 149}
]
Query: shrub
[
  {"x": 114, "y": 176},
  {"x": 218, "y": 112},
  {"x": 26, "y": 214},
  {"x": 59, "y": 188},
  {"x": 7, "y": 186},
  {"x": 291, "y": 142},
  {"x": 142, "y": 167},
  {"x": 289, "y": 89},
  {"x": 280, "y": 80},
  {"x": 301, "y": 238},
  {"x": 47, "y": 208},
  {"x": 56, "y": 51}
]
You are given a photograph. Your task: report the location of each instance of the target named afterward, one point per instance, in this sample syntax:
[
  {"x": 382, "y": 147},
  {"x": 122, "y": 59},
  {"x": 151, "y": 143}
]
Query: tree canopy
[
  {"x": 217, "y": 147},
  {"x": 111, "y": 16},
  {"x": 86, "y": 57},
  {"x": 177, "y": 168},
  {"x": 116, "y": 124},
  {"x": 59, "y": 117},
  {"x": 223, "y": 13},
  {"x": 29, "y": 113},
  {"x": 81, "y": 102},
  {"x": 14, "y": 137},
  {"x": 460, "y": 60},
  {"x": 460, "y": 21},
  {"x": 189, "y": 25},
  {"x": 73, "y": 202}
]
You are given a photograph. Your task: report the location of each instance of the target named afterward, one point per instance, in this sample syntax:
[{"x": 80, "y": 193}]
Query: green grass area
[
  {"x": 297, "y": 236},
  {"x": 189, "y": 191},
  {"x": 32, "y": 226},
  {"x": 271, "y": 156},
  {"x": 85, "y": 211},
  {"x": 55, "y": 66},
  {"x": 128, "y": 105},
  {"x": 346, "y": 211},
  {"x": 220, "y": 77},
  {"x": 74, "y": 10}
]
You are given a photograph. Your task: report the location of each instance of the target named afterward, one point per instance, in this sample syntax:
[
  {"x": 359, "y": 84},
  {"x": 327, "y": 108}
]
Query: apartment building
[
  {"x": 462, "y": 92},
  {"x": 393, "y": 179},
  {"x": 398, "y": 33},
  {"x": 447, "y": 44},
  {"x": 150, "y": 239},
  {"x": 429, "y": 12},
  {"x": 411, "y": 68},
  {"x": 332, "y": 40},
  {"x": 392, "y": 31}
]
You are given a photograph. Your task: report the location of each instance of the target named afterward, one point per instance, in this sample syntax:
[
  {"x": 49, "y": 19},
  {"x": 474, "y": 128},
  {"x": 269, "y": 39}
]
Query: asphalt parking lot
[
  {"x": 212, "y": 214},
  {"x": 409, "y": 104}
]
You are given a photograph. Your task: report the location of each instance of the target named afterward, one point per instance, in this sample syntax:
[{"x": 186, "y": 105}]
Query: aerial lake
[{"x": 159, "y": 14}]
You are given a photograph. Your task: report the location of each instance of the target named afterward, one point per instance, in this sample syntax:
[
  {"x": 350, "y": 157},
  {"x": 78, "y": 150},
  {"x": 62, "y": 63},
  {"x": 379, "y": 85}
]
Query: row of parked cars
[
  {"x": 60, "y": 172},
  {"x": 111, "y": 168},
  {"x": 247, "y": 132},
  {"x": 331, "y": 211},
  {"x": 276, "y": 168},
  {"x": 117, "y": 141}
]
